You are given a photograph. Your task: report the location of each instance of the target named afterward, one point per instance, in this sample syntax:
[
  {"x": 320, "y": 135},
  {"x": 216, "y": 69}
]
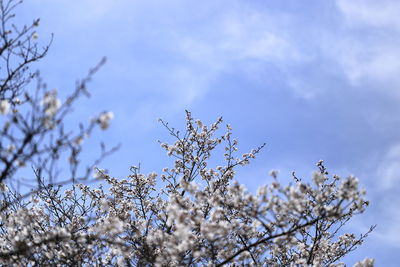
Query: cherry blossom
[{"x": 190, "y": 213}]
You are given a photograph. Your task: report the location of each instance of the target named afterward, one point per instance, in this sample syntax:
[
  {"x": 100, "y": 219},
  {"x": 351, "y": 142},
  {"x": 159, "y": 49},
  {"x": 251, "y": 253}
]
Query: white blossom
[
  {"x": 274, "y": 173},
  {"x": 4, "y": 106},
  {"x": 365, "y": 263},
  {"x": 104, "y": 119},
  {"x": 3, "y": 187},
  {"x": 51, "y": 103}
]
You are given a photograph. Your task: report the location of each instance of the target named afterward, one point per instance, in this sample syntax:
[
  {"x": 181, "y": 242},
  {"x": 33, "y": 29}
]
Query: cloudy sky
[{"x": 313, "y": 79}]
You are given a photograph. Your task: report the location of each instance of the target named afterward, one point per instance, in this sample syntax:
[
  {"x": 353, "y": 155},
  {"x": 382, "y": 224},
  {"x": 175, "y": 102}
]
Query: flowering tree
[{"x": 192, "y": 214}]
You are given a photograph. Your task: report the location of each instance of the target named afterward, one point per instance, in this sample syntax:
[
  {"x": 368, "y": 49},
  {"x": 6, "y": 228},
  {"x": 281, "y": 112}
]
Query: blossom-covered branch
[{"x": 192, "y": 213}]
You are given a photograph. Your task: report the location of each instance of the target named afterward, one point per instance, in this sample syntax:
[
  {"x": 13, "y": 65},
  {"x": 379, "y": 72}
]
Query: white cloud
[
  {"x": 364, "y": 62},
  {"x": 388, "y": 228},
  {"x": 241, "y": 38},
  {"x": 367, "y": 47},
  {"x": 302, "y": 89},
  {"x": 239, "y": 41},
  {"x": 388, "y": 172},
  {"x": 256, "y": 36},
  {"x": 205, "y": 43},
  {"x": 372, "y": 13}
]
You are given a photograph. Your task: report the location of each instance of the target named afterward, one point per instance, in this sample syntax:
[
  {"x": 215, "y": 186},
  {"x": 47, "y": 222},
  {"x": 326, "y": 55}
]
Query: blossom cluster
[
  {"x": 190, "y": 215},
  {"x": 104, "y": 119},
  {"x": 4, "y": 106}
]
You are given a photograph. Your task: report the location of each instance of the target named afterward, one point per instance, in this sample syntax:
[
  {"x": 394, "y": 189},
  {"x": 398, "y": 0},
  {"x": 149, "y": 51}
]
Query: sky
[{"x": 313, "y": 79}]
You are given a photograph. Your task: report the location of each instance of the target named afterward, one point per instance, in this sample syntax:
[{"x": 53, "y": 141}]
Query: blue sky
[{"x": 313, "y": 79}]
